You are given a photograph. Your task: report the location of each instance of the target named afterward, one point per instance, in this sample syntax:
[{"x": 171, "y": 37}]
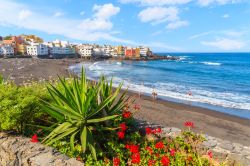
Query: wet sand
[{"x": 158, "y": 111}]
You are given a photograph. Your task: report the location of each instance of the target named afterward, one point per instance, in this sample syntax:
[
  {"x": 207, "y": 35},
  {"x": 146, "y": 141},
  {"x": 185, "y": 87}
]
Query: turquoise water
[{"x": 219, "y": 81}]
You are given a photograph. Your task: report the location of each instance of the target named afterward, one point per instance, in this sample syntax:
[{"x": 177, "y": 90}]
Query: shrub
[
  {"x": 19, "y": 106},
  {"x": 1, "y": 79}
]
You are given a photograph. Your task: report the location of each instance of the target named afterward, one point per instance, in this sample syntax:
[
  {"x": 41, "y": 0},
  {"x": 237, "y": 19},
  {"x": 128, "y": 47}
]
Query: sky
[{"x": 163, "y": 25}]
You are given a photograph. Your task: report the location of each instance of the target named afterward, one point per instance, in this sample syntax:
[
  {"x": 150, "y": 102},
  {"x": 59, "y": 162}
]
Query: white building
[
  {"x": 107, "y": 50},
  {"x": 99, "y": 52},
  {"x": 6, "y": 50},
  {"x": 85, "y": 50},
  {"x": 144, "y": 51},
  {"x": 60, "y": 48},
  {"x": 114, "y": 52},
  {"x": 36, "y": 49}
]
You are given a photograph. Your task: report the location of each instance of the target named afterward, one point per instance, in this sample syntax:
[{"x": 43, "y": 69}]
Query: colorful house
[
  {"x": 130, "y": 52},
  {"x": 137, "y": 53},
  {"x": 14, "y": 41},
  {"x": 22, "y": 49},
  {"x": 120, "y": 50}
]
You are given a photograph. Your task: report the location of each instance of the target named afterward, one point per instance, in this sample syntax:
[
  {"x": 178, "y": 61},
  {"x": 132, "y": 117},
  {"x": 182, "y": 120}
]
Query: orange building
[
  {"x": 130, "y": 53},
  {"x": 14, "y": 41}
]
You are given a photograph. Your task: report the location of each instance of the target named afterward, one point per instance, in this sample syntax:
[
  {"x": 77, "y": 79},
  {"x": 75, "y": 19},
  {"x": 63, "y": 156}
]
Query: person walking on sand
[
  {"x": 140, "y": 93},
  {"x": 154, "y": 94}
]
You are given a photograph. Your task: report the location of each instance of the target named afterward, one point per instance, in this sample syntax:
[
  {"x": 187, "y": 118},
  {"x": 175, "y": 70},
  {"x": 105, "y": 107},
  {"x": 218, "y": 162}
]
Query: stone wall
[
  {"x": 233, "y": 153},
  {"x": 19, "y": 151}
]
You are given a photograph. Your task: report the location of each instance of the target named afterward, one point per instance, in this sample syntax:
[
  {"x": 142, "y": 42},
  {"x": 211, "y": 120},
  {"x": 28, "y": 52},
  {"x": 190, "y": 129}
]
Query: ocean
[{"x": 218, "y": 81}]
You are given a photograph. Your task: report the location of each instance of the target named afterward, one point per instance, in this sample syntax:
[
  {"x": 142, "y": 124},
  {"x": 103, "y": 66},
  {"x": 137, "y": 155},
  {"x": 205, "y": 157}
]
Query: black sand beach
[{"x": 158, "y": 111}]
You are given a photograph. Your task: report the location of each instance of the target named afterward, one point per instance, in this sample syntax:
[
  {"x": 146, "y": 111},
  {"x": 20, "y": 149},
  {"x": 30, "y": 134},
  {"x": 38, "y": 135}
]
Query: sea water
[{"x": 218, "y": 81}]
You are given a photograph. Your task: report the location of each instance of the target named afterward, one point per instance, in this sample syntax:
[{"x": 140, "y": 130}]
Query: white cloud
[
  {"x": 181, "y": 2},
  {"x": 156, "y": 33},
  {"x": 225, "y": 16},
  {"x": 232, "y": 33},
  {"x": 24, "y": 14},
  {"x": 105, "y": 11},
  {"x": 101, "y": 20},
  {"x": 158, "y": 14},
  {"x": 200, "y": 35},
  {"x": 219, "y": 2},
  {"x": 95, "y": 24},
  {"x": 156, "y": 2},
  {"x": 58, "y": 14},
  {"x": 163, "y": 46},
  {"x": 225, "y": 44},
  {"x": 82, "y": 13},
  {"x": 177, "y": 24},
  {"x": 225, "y": 33},
  {"x": 94, "y": 28}
]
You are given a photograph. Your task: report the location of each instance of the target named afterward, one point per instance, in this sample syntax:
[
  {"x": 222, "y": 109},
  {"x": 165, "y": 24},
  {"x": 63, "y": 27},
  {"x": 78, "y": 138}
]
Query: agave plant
[
  {"x": 115, "y": 105},
  {"x": 78, "y": 112}
]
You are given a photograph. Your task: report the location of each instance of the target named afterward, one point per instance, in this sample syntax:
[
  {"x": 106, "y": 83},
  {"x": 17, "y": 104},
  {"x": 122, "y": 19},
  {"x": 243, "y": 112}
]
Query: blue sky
[{"x": 164, "y": 25}]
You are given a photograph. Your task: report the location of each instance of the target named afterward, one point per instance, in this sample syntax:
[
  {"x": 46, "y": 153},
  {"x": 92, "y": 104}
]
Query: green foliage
[
  {"x": 1, "y": 79},
  {"x": 79, "y": 112},
  {"x": 7, "y": 37},
  {"x": 19, "y": 106},
  {"x": 116, "y": 104}
]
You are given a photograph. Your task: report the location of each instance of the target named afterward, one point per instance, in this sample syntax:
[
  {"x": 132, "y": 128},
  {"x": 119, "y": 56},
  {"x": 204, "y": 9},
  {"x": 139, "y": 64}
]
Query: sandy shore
[
  {"x": 170, "y": 114},
  {"x": 26, "y": 70}
]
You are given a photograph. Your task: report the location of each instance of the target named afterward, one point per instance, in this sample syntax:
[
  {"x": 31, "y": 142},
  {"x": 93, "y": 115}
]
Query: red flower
[
  {"x": 137, "y": 106},
  {"x": 149, "y": 149},
  {"x": 127, "y": 146},
  {"x": 159, "y": 145},
  {"x": 165, "y": 161},
  {"x": 136, "y": 158},
  {"x": 79, "y": 158},
  {"x": 189, "y": 158},
  {"x": 158, "y": 130},
  {"x": 210, "y": 154},
  {"x": 116, "y": 161},
  {"x": 157, "y": 154},
  {"x": 34, "y": 138},
  {"x": 189, "y": 124},
  {"x": 123, "y": 126},
  {"x": 121, "y": 134},
  {"x": 126, "y": 114},
  {"x": 148, "y": 130},
  {"x": 151, "y": 162},
  {"x": 134, "y": 148},
  {"x": 172, "y": 152}
]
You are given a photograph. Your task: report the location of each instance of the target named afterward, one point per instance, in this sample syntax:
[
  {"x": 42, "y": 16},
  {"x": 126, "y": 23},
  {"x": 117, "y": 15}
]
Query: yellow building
[
  {"x": 137, "y": 52},
  {"x": 21, "y": 49},
  {"x": 120, "y": 50}
]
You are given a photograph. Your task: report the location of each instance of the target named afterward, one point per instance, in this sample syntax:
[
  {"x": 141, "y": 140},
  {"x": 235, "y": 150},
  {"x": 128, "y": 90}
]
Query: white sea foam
[
  {"x": 212, "y": 63},
  {"x": 171, "y": 90},
  {"x": 202, "y": 96}
]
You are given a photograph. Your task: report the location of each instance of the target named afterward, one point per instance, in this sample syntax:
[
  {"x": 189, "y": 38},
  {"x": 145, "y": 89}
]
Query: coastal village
[{"x": 36, "y": 47}]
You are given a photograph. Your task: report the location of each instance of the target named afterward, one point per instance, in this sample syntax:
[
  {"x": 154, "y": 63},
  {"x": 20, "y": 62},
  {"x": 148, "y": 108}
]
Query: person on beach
[
  {"x": 139, "y": 94},
  {"x": 154, "y": 94},
  {"x": 190, "y": 93}
]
